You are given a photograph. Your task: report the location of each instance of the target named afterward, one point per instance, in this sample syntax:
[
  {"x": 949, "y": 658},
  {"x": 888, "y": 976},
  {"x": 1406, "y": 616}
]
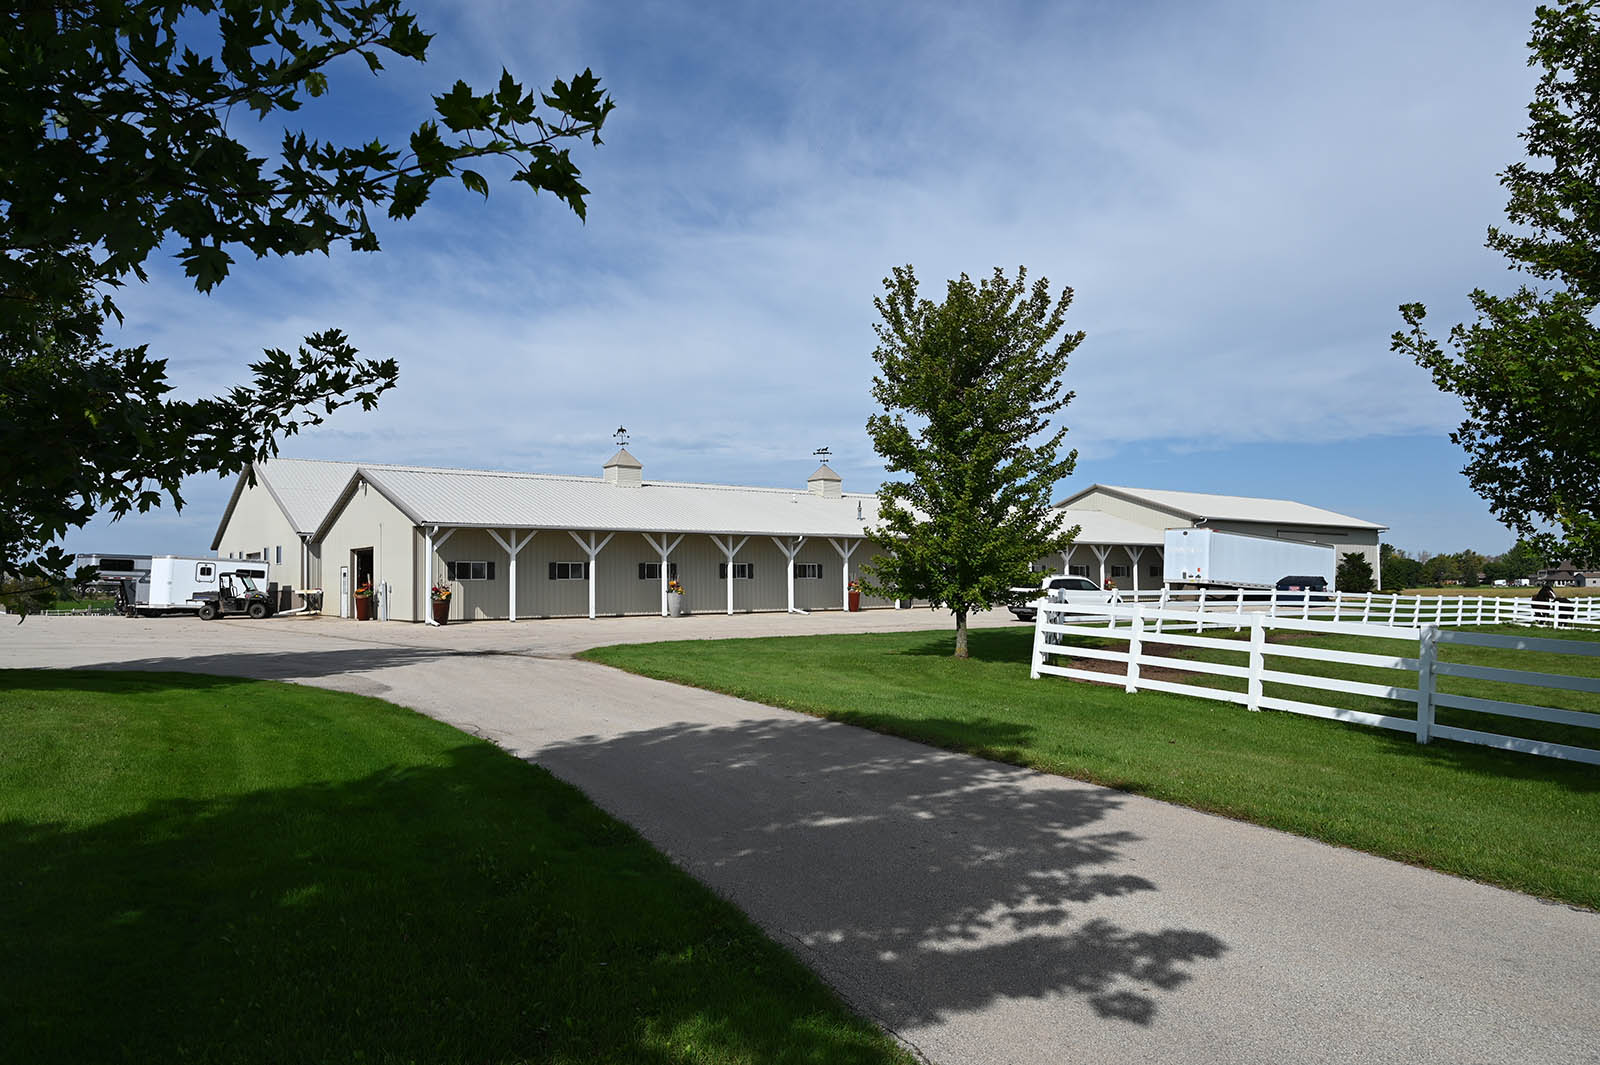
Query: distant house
[{"x": 1566, "y": 575}]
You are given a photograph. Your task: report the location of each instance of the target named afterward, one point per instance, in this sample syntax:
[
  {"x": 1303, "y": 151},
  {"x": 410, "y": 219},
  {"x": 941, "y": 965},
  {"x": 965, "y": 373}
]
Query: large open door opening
[{"x": 361, "y": 575}]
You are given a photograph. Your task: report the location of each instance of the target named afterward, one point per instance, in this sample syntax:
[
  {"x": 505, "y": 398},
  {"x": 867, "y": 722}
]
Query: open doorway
[{"x": 361, "y": 575}]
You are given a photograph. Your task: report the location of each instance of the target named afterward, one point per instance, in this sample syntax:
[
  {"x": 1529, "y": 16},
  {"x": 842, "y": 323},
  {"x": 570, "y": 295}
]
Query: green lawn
[
  {"x": 1524, "y": 822},
  {"x": 1472, "y": 591},
  {"x": 200, "y": 869}
]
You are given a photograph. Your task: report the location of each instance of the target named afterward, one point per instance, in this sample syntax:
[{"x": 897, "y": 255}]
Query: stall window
[{"x": 469, "y": 571}]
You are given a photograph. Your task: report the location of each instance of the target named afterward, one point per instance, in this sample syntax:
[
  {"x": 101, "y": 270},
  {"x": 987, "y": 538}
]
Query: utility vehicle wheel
[
  {"x": 257, "y": 611},
  {"x": 208, "y": 611}
]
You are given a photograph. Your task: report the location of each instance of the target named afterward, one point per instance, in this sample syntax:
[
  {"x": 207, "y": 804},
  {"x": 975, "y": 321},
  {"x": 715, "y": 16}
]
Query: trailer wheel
[
  {"x": 208, "y": 611},
  {"x": 257, "y": 611}
]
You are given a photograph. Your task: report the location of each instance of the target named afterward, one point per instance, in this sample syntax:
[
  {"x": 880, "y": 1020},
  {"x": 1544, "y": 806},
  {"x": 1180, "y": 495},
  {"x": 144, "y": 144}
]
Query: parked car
[
  {"x": 1060, "y": 590},
  {"x": 1303, "y": 589}
]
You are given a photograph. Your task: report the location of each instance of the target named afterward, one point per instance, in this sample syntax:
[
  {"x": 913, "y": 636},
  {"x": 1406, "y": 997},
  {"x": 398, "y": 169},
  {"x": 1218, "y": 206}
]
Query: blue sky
[{"x": 1240, "y": 195}]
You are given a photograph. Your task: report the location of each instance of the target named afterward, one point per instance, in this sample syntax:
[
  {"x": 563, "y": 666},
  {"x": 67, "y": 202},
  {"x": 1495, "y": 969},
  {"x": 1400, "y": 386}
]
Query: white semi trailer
[{"x": 1210, "y": 558}]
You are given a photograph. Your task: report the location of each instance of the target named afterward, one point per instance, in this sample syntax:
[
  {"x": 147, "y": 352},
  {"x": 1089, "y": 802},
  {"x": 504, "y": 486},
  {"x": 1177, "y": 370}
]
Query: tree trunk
[{"x": 961, "y": 634}]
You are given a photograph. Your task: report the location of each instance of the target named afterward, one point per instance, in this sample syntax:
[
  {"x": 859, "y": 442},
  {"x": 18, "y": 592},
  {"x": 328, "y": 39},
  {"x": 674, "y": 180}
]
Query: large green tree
[
  {"x": 1527, "y": 369},
  {"x": 121, "y": 124},
  {"x": 968, "y": 388}
]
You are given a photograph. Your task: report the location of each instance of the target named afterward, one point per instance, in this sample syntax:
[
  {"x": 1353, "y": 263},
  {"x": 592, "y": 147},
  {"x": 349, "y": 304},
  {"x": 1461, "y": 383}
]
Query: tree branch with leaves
[{"x": 116, "y": 120}]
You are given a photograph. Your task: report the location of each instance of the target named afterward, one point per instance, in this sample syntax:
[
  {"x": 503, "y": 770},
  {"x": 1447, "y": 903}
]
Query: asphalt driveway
[{"x": 983, "y": 913}]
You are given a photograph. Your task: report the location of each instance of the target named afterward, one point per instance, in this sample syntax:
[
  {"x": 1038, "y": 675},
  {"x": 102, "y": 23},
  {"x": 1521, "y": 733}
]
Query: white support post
[
  {"x": 1134, "y": 554},
  {"x": 512, "y": 550},
  {"x": 1066, "y": 562},
  {"x": 431, "y": 546},
  {"x": 1258, "y": 647},
  {"x": 592, "y": 549},
  {"x": 1135, "y": 647},
  {"x": 729, "y": 551},
  {"x": 1101, "y": 553},
  {"x": 844, "y": 570},
  {"x": 665, "y": 550},
  {"x": 1427, "y": 651},
  {"x": 791, "y": 550}
]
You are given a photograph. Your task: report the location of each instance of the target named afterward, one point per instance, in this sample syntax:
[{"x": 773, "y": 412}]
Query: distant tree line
[{"x": 1467, "y": 568}]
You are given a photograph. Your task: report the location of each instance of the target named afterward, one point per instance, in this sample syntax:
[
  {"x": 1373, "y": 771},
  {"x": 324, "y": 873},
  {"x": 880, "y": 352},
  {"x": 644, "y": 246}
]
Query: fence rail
[
  {"x": 1137, "y": 624},
  {"x": 1580, "y": 612}
]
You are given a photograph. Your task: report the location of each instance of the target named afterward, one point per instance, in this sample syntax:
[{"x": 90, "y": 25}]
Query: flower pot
[
  {"x": 363, "y": 608},
  {"x": 441, "y": 611},
  {"x": 855, "y": 601},
  {"x": 674, "y": 605}
]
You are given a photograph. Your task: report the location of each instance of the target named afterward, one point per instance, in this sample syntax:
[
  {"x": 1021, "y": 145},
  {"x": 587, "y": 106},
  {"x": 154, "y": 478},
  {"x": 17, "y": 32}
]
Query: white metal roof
[
  {"x": 1098, "y": 527},
  {"x": 305, "y": 488},
  {"x": 1197, "y": 505},
  {"x": 495, "y": 499}
]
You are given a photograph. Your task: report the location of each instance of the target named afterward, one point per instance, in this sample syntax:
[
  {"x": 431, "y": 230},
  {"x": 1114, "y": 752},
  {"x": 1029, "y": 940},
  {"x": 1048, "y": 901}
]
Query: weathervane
[
  {"x": 620, "y": 436},
  {"x": 823, "y": 454}
]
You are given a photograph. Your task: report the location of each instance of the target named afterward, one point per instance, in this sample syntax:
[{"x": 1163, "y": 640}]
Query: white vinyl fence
[
  {"x": 1136, "y": 625},
  {"x": 1406, "y": 611}
]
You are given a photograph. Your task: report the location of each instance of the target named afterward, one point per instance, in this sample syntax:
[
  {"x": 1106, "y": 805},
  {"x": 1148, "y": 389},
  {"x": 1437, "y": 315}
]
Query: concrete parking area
[{"x": 983, "y": 913}]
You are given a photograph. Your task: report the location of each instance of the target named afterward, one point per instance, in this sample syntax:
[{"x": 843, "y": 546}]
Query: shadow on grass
[
  {"x": 1011, "y": 646},
  {"x": 922, "y": 883},
  {"x": 472, "y": 909}
]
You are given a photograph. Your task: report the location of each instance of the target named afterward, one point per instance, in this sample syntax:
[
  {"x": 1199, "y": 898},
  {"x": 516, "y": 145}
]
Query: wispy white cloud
[{"x": 1240, "y": 195}]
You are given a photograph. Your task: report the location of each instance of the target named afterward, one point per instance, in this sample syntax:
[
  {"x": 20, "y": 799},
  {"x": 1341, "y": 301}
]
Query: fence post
[
  {"x": 1366, "y": 611},
  {"x": 1200, "y": 612},
  {"x": 1427, "y": 651},
  {"x": 1239, "y": 612},
  {"x": 1038, "y": 642},
  {"x": 1272, "y": 610},
  {"x": 1338, "y": 604},
  {"x": 1258, "y": 645},
  {"x": 1161, "y": 605},
  {"x": 1135, "y": 647}
]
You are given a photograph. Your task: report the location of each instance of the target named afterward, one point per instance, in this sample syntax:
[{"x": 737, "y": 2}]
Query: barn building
[
  {"x": 1122, "y": 529},
  {"x": 521, "y": 545},
  {"x": 524, "y": 545}
]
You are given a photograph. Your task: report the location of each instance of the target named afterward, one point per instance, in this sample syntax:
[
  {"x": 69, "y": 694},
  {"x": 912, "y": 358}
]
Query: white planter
[{"x": 674, "y": 605}]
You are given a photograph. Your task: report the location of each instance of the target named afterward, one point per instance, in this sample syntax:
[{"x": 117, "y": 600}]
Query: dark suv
[{"x": 1307, "y": 586}]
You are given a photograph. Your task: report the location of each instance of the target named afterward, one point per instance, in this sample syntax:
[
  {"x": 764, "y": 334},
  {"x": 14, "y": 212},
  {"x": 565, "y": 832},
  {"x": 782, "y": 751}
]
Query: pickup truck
[{"x": 1061, "y": 590}]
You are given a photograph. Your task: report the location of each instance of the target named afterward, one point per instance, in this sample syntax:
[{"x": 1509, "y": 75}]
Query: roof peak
[{"x": 623, "y": 458}]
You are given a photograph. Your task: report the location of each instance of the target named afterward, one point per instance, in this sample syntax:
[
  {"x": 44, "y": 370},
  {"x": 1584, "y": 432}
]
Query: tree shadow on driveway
[{"x": 921, "y": 883}]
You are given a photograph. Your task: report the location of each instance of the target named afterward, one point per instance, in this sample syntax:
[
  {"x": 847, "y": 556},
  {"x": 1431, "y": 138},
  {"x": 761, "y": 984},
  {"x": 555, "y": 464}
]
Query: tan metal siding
[{"x": 370, "y": 520}]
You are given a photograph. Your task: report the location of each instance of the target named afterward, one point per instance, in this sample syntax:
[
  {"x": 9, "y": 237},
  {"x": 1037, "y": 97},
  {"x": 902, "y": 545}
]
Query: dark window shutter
[
  {"x": 449, "y": 571},
  {"x": 491, "y": 571},
  {"x": 586, "y": 571},
  {"x": 722, "y": 571},
  {"x": 672, "y": 571},
  {"x": 643, "y": 576},
  {"x": 552, "y": 571},
  {"x": 750, "y": 570},
  {"x": 819, "y": 571}
]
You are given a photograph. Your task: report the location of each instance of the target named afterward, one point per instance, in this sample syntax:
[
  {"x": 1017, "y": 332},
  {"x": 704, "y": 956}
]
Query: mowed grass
[
  {"x": 1520, "y": 821},
  {"x": 1473, "y": 591},
  {"x": 200, "y": 869}
]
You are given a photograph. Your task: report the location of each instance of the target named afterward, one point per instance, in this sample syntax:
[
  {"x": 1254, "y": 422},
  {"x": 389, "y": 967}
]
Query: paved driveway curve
[{"x": 983, "y": 913}]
